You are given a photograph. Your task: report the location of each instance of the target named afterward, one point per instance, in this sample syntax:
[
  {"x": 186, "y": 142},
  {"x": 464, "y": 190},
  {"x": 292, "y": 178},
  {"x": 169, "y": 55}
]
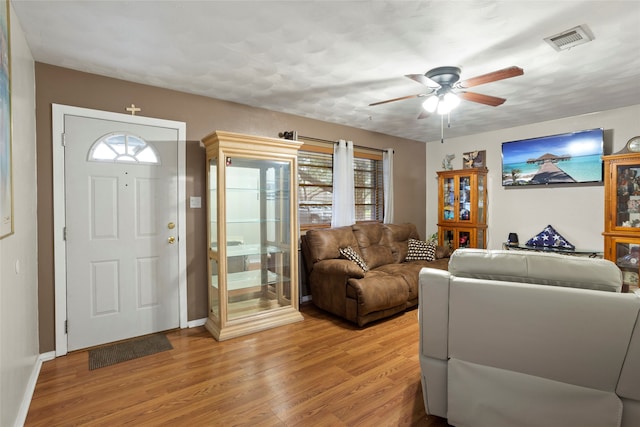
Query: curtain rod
[{"x": 293, "y": 135}]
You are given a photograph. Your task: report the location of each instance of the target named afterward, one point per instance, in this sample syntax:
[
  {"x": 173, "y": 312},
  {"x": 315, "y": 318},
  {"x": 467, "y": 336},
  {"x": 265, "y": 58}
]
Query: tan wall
[{"x": 203, "y": 116}]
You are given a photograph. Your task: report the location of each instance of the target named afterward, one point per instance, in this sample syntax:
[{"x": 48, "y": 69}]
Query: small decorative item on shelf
[
  {"x": 549, "y": 237},
  {"x": 632, "y": 146},
  {"x": 473, "y": 159},
  {"x": 512, "y": 240},
  {"x": 446, "y": 162}
]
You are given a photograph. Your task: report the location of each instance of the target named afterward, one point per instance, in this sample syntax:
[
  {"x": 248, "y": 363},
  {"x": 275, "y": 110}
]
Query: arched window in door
[{"x": 123, "y": 148}]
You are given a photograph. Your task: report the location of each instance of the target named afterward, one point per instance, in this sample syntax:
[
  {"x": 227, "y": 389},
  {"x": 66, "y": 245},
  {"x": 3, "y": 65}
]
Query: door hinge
[
  {"x": 64, "y": 233},
  {"x": 64, "y": 140},
  {"x": 66, "y": 326}
]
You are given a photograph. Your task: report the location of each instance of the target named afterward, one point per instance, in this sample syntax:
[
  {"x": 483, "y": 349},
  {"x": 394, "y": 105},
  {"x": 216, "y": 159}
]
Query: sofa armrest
[
  {"x": 342, "y": 267},
  {"x": 328, "y": 282}
]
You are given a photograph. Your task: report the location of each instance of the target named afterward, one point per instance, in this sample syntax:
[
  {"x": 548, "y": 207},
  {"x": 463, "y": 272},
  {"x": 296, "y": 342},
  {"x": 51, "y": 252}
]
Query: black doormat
[{"x": 128, "y": 350}]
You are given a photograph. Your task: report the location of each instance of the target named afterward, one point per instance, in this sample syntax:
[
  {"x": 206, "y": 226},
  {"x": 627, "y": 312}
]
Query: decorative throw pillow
[
  {"x": 550, "y": 237},
  {"x": 350, "y": 254},
  {"x": 419, "y": 250}
]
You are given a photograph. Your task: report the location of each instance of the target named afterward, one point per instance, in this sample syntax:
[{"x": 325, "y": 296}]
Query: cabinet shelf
[
  {"x": 254, "y": 221},
  {"x": 245, "y": 250},
  {"x": 249, "y": 279}
]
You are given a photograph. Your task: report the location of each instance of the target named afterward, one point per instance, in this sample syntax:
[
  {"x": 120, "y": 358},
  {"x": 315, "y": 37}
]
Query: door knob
[{"x": 171, "y": 240}]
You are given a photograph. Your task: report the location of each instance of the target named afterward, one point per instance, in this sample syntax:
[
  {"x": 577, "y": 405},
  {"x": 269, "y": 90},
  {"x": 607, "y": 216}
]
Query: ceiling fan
[{"x": 446, "y": 89}]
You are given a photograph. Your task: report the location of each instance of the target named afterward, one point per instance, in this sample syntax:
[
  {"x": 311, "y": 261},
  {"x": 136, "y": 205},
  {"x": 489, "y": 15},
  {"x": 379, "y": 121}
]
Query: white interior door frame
[{"x": 60, "y": 261}]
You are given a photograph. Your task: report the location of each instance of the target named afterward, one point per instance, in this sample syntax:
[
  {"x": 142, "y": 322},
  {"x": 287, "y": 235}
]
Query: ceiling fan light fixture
[
  {"x": 450, "y": 101},
  {"x": 431, "y": 103}
]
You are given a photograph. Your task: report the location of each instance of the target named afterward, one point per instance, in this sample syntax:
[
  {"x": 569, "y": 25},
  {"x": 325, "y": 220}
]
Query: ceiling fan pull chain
[{"x": 441, "y": 129}]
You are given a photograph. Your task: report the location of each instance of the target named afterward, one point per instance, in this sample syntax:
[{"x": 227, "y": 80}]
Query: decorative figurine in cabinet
[
  {"x": 462, "y": 208},
  {"x": 253, "y": 229},
  {"x": 622, "y": 215}
]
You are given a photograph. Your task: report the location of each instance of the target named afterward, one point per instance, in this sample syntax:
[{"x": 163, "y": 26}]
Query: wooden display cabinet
[
  {"x": 622, "y": 215},
  {"x": 462, "y": 208},
  {"x": 253, "y": 229}
]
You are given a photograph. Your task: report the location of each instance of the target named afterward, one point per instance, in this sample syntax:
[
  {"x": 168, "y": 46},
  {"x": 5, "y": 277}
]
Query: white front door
[{"x": 122, "y": 229}]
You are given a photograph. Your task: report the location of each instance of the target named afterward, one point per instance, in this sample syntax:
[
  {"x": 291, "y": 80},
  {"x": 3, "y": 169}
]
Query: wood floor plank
[{"x": 321, "y": 372}]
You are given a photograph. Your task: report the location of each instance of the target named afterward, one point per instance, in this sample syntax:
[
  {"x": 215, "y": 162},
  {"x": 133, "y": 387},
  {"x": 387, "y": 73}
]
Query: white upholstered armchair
[{"x": 512, "y": 338}]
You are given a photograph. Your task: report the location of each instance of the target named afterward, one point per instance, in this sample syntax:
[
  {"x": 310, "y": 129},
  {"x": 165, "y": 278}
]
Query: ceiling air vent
[{"x": 570, "y": 38}]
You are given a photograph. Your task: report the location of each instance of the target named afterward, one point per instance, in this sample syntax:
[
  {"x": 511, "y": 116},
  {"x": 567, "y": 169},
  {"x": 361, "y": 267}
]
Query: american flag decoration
[{"x": 549, "y": 237}]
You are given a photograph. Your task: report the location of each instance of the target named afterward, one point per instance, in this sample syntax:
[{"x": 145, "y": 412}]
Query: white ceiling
[{"x": 329, "y": 60}]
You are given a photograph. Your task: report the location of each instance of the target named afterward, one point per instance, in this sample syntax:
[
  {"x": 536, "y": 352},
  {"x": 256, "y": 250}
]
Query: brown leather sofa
[{"x": 343, "y": 288}]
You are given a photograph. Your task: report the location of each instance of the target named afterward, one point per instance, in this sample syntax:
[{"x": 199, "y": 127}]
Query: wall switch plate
[{"x": 195, "y": 202}]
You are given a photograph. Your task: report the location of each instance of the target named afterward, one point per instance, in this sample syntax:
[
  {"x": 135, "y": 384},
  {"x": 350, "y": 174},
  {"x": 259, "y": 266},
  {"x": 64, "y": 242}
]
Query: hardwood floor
[{"x": 319, "y": 372}]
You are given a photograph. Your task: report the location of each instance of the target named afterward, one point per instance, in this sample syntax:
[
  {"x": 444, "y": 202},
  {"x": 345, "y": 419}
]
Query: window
[
  {"x": 123, "y": 148},
  {"x": 315, "y": 186},
  {"x": 369, "y": 189}
]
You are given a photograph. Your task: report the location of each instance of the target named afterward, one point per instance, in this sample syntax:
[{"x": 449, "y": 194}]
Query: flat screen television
[{"x": 568, "y": 158}]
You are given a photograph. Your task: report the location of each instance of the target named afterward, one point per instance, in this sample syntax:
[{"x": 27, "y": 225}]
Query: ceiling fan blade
[
  {"x": 397, "y": 99},
  {"x": 422, "y": 79},
  {"x": 493, "y": 101},
  {"x": 505, "y": 73},
  {"x": 423, "y": 114}
]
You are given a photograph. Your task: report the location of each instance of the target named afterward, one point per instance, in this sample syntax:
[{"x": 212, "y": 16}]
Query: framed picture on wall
[
  {"x": 6, "y": 170},
  {"x": 474, "y": 159}
]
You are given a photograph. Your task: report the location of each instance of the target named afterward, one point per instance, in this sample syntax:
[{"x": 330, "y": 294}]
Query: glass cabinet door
[
  {"x": 449, "y": 199},
  {"x": 627, "y": 195},
  {"x": 480, "y": 202},
  {"x": 448, "y": 237},
  {"x": 258, "y": 241},
  {"x": 464, "y": 198},
  {"x": 459, "y": 237},
  {"x": 480, "y": 239},
  {"x": 214, "y": 295},
  {"x": 626, "y": 254},
  {"x": 258, "y": 235},
  {"x": 464, "y": 239}
]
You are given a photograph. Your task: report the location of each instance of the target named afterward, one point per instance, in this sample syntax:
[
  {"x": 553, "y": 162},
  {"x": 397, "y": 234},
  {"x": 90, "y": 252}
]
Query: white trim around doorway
[{"x": 60, "y": 282}]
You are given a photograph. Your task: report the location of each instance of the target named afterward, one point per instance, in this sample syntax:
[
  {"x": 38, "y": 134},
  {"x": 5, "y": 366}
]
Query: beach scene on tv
[{"x": 557, "y": 159}]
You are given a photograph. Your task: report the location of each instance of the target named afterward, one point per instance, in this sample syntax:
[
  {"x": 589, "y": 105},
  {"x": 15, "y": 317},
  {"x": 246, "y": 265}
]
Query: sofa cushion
[
  {"x": 442, "y": 252},
  {"x": 371, "y": 243},
  {"x": 325, "y": 243},
  {"x": 352, "y": 255},
  {"x": 397, "y": 239},
  {"x": 410, "y": 272},
  {"x": 421, "y": 250}
]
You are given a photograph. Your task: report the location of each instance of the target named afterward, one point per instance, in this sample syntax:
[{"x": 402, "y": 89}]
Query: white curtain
[
  {"x": 344, "y": 207},
  {"x": 387, "y": 182}
]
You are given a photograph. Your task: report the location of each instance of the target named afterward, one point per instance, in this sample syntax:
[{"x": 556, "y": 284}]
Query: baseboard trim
[
  {"x": 196, "y": 323},
  {"x": 21, "y": 418}
]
